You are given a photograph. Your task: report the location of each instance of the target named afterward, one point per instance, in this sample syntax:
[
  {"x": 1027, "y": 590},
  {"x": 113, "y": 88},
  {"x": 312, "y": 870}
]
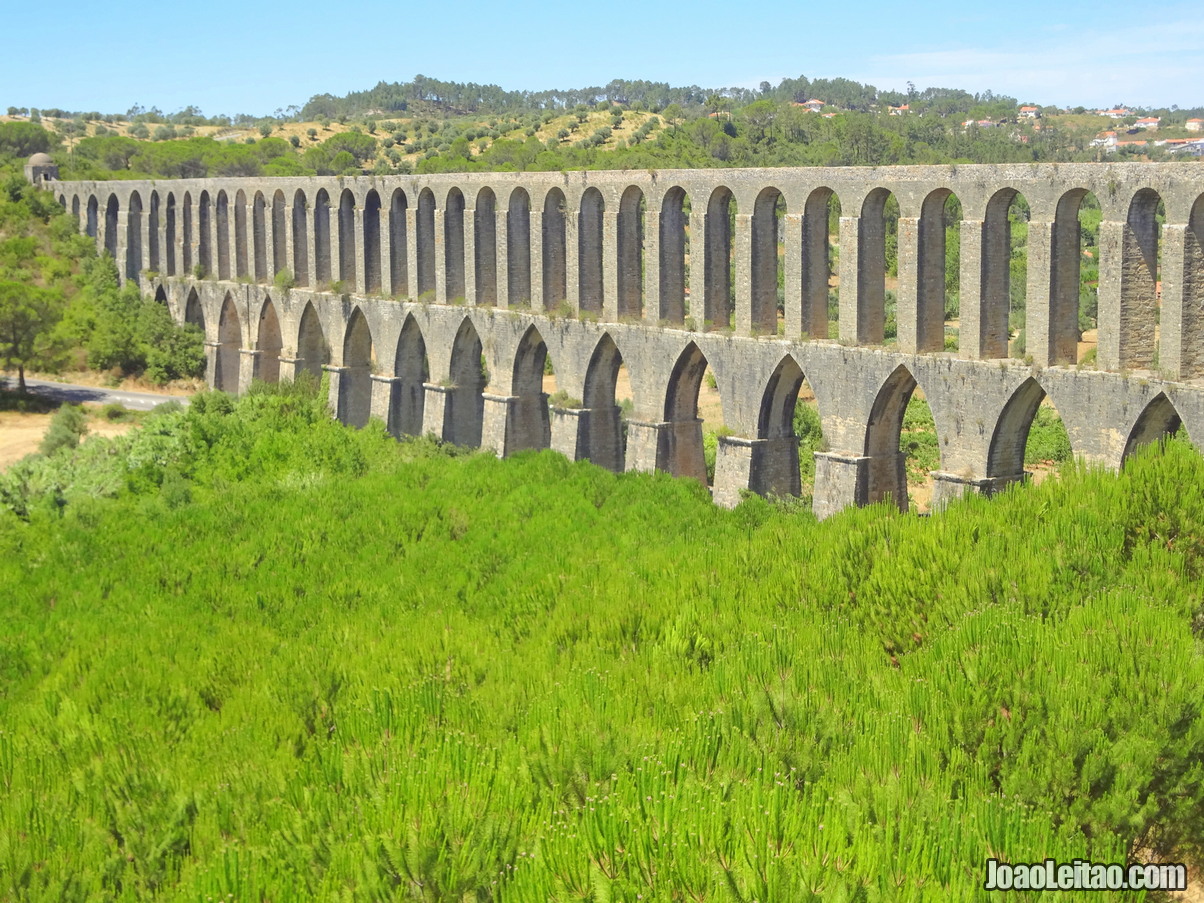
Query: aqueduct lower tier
[{"x": 400, "y": 287}]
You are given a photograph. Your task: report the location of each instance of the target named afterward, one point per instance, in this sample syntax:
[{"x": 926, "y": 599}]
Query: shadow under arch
[
  {"x": 411, "y": 371},
  {"x": 1005, "y": 455},
  {"x": 775, "y": 465},
  {"x": 270, "y": 343},
  {"x": 312, "y": 349},
  {"x": 601, "y": 437},
  {"x": 229, "y": 337},
  {"x": 355, "y": 379},
  {"x": 194, "y": 313},
  {"x": 680, "y": 448},
  {"x": 886, "y": 475},
  {"x": 1156, "y": 422},
  {"x": 464, "y": 411},
  {"x": 528, "y": 425}
]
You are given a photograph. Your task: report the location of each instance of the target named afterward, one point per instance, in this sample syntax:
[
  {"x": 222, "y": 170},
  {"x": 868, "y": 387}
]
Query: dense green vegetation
[
  {"x": 249, "y": 652},
  {"x": 61, "y": 306}
]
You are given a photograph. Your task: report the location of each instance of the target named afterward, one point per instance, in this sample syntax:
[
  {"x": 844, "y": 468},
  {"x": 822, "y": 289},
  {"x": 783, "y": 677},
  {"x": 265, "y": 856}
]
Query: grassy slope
[{"x": 300, "y": 662}]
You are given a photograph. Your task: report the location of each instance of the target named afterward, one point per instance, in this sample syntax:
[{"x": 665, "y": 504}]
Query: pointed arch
[
  {"x": 270, "y": 344},
  {"x": 161, "y": 295},
  {"x": 313, "y": 351},
  {"x": 465, "y": 411},
  {"x": 229, "y": 338},
  {"x": 194, "y": 313},
  {"x": 886, "y": 477},
  {"x": 604, "y": 443},
  {"x": 529, "y": 424},
  {"x": 776, "y": 417},
  {"x": 355, "y": 378},
  {"x": 411, "y": 371},
  {"x": 1005, "y": 455},
  {"x": 775, "y": 460},
  {"x": 683, "y": 455},
  {"x": 1157, "y": 421}
]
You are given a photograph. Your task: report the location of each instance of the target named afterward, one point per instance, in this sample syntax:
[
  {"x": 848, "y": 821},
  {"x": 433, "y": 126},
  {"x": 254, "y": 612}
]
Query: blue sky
[{"x": 227, "y": 56}]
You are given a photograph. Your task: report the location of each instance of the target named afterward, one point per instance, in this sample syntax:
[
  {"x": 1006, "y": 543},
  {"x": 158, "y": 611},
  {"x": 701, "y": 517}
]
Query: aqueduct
[{"x": 433, "y": 302}]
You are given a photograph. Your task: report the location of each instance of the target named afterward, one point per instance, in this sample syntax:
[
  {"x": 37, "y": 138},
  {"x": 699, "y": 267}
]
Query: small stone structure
[
  {"x": 40, "y": 169},
  {"x": 399, "y": 286}
]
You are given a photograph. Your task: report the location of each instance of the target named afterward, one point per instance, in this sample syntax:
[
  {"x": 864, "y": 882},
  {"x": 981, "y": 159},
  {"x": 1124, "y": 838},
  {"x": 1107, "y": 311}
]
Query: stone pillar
[
  {"x": 1181, "y": 342},
  {"x": 211, "y": 352},
  {"x": 572, "y": 259},
  {"x": 764, "y": 466},
  {"x": 194, "y": 237},
  {"x": 387, "y": 288},
  {"x": 411, "y": 252},
  {"x": 610, "y": 264},
  {"x": 742, "y": 244},
  {"x": 948, "y": 487},
  {"x": 440, "y": 256},
  {"x": 436, "y": 408},
  {"x": 840, "y": 481},
  {"x": 502, "y": 249},
  {"x": 515, "y": 422},
  {"x": 122, "y": 243},
  {"x": 985, "y": 289},
  {"x": 654, "y": 304},
  {"x": 360, "y": 255},
  {"x": 696, "y": 303},
  {"x": 382, "y": 400},
  {"x": 288, "y": 366},
  {"x": 248, "y": 367},
  {"x": 334, "y": 398},
  {"x": 269, "y": 242},
  {"x": 1127, "y": 296},
  {"x": 862, "y": 305},
  {"x": 920, "y": 307},
  {"x": 589, "y": 433},
  {"x": 145, "y": 236},
  {"x": 796, "y": 312},
  {"x": 470, "y": 256},
  {"x": 538, "y": 249},
  {"x": 672, "y": 446}
]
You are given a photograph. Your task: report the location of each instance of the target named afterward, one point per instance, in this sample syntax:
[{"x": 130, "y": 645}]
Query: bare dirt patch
[{"x": 21, "y": 434}]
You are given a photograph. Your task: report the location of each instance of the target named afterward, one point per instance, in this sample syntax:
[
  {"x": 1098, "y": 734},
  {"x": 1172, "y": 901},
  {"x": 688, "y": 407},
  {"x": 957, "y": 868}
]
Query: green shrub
[{"x": 66, "y": 428}]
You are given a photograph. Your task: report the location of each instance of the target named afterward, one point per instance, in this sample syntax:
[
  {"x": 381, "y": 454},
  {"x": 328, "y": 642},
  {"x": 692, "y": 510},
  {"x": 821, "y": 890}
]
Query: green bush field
[{"x": 249, "y": 654}]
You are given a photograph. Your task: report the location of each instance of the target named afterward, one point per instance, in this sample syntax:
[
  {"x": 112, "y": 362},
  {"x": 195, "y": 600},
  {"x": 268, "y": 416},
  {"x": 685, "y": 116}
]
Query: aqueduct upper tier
[{"x": 393, "y": 284}]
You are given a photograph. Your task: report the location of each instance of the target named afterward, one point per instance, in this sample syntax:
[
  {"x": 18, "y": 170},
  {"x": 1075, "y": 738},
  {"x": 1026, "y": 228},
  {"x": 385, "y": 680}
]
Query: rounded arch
[
  {"x": 464, "y": 404},
  {"x": 518, "y": 249},
  {"x": 1002, "y": 283},
  {"x": 347, "y": 253},
  {"x": 241, "y": 269},
  {"x": 485, "y": 248},
  {"x": 171, "y": 226},
  {"x": 279, "y": 257},
  {"x": 553, "y": 244},
  {"x": 260, "y": 251},
  {"x": 924, "y": 329},
  {"x": 92, "y": 223},
  {"x": 718, "y": 305},
  {"x": 819, "y": 210},
  {"x": 355, "y": 378},
  {"x": 630, "y": 247},
  {"x": 270, "y": 343},
  {"x": 322, "y": 251},
  {"x": 222, "y": 221},
  {"x": 300, "y": 238},
  {"x": 112, "y": 209},
  {"x": 886, "y": 478},
  {"x": 674, "y": 243},
  {"x": 863, "y": 304},
  {"x": 152, "y": 255},
  {"x": 372, "y": 270},
  {"x": 767, "y": 262},
  {"x": 313, "y": 351},
  {"x": 133, "y": 237},
  {"x": 425, "y": 224},
  {"x": 453, "y": 245},
  {"x": 229, "y": 338},
  {"x": 204, "y": 228},
  {"x": 411, "y": 371},
  {"x": 1058, "y": 335},
  {"x": 589, "y": 250},
  {"x": 399, "y": 268},
  {"x": 1157, "y": 421}
]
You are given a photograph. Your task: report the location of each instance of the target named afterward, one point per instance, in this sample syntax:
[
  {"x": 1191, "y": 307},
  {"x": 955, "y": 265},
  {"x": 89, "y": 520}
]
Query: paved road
[{"x": 135, "y": 401}]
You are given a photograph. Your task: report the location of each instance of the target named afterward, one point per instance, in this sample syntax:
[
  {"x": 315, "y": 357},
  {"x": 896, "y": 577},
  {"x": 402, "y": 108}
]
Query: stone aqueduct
[{"x": 402, "y": 286}]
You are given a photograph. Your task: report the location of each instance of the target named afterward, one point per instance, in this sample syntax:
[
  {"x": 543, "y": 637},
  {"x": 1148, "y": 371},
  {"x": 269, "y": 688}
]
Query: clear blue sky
[{"x": 254, "y": 57}]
